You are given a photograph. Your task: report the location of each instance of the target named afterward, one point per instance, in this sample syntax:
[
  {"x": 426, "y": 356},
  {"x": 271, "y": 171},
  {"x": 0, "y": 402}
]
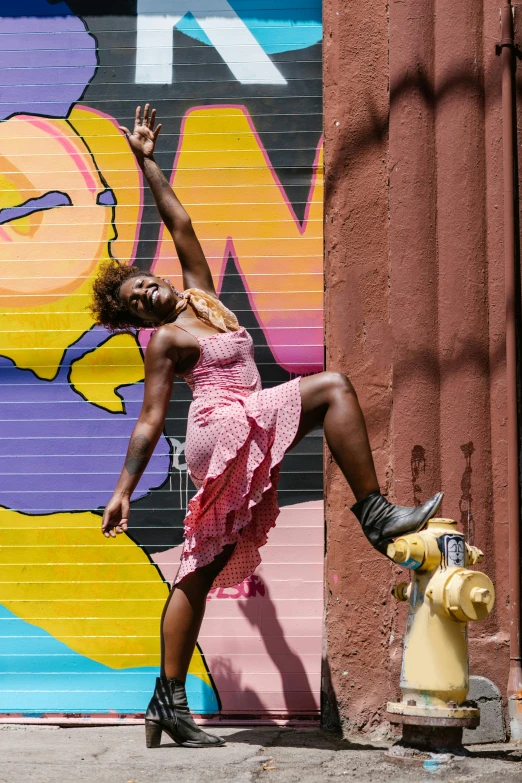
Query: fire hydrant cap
[
  {"x": 469, "y": 595},
  {"x": 409, "y": 551}
]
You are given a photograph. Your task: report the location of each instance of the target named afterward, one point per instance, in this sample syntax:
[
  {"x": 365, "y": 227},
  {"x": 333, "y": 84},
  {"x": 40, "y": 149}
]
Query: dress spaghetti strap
[{"x": 186, "y": 331}]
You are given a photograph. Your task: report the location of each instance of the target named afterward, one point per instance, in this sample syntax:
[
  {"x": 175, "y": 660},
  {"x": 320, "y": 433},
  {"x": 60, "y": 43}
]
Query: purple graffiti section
[
  {"x": 107, "y": 198},
  {"x": 48, "y": 201},
  {"x": 47, "y": 58},
  {"x": 58, "y": 452}
]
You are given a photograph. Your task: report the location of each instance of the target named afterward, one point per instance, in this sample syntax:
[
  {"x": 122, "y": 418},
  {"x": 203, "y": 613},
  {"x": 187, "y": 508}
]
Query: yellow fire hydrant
[{"x": 443, "y": 597}]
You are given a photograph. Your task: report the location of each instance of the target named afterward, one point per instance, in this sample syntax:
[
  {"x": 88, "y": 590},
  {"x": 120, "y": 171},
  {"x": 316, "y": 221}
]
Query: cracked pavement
[{"x": 117, "y": 754}]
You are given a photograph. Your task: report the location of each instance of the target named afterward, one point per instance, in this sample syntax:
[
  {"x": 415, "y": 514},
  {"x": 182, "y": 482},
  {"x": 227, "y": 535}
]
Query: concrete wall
[
  {"x": 414, "y": 310},
  {"x": 237, "y": 87}
]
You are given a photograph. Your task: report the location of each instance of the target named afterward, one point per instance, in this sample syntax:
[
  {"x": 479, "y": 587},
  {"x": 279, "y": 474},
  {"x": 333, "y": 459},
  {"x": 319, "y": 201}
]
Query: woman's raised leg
[{"x": 329, "y": 399}]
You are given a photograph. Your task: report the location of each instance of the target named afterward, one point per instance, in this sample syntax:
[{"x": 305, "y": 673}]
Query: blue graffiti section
[
  {"x": 40, "y": 675},
  {"x": 72, "y": 450},
  {"x": 278, "y": 27}
]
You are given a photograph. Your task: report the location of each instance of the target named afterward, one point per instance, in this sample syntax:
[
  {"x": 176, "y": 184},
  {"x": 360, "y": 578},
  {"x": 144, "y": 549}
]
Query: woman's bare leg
[
  {"x": 329, "y": 399},
  {"x": 183, "y": 615}
]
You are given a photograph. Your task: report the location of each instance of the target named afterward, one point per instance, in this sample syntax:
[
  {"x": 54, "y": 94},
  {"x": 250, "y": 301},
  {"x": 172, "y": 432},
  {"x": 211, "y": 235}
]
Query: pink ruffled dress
[{"x": 237, "y": 435}]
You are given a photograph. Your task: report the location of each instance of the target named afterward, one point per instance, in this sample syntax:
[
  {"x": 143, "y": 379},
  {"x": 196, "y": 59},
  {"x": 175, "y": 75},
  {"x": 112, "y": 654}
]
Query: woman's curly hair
[{"x": 106, "y": 306}]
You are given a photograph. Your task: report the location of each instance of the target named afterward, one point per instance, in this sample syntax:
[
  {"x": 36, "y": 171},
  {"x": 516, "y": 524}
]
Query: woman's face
[{"x": 149, "y": 298}]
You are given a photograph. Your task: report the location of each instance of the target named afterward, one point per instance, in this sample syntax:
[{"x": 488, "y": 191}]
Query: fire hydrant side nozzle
[{"x": 444, "y": 595}]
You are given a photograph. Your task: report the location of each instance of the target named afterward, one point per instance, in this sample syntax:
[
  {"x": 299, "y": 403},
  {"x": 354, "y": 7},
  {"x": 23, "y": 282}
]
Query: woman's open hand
[
  {"x": 116, "y": 516},
  {"x": 143, "y": 138}
]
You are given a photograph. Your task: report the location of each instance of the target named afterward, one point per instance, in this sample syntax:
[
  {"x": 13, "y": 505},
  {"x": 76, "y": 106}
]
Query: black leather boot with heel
[
  {"x": 382, "y": 521},
  {"x": 168, "y": 712}
]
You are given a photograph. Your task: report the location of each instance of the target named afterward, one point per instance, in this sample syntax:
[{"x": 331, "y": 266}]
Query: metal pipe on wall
[{"x": 515, "y": 670}]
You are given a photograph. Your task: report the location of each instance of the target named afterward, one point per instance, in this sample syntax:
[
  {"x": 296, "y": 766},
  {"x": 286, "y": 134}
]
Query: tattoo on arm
[
  {"x": 171, "y": 210},
  {"x": 154, "y": 174},
  {"x": 137, "y": 455}
]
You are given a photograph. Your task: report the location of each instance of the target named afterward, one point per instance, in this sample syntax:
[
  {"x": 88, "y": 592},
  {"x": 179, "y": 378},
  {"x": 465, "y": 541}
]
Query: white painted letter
[{"x": 227, "y": 32}]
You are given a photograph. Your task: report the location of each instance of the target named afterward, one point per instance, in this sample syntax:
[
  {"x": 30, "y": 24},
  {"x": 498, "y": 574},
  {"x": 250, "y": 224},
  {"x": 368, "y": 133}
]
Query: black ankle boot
[
  {"x": 168, "y": 711},
  {"x": 382, "y": 521}
]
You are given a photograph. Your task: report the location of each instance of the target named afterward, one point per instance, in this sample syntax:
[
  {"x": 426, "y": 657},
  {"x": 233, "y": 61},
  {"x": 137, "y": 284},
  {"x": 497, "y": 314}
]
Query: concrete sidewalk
[{"x": 49, "y": 754}]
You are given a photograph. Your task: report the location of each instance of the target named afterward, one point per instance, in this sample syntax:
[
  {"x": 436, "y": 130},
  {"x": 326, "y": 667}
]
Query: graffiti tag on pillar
[
  {"x": 418, "y": 466},
  {"x": 466, "y": 500}
]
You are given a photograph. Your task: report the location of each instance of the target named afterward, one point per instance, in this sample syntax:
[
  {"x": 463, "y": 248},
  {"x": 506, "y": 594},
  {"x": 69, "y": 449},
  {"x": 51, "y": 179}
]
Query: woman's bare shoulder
[{"x": 167, "y": 337}]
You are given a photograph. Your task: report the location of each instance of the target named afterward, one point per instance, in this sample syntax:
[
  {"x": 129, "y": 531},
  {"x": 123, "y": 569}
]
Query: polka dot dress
[{"x": 237, "y": 435}]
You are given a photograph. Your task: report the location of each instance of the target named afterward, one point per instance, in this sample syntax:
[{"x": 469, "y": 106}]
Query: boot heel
[{"x": 152, "y": 734}]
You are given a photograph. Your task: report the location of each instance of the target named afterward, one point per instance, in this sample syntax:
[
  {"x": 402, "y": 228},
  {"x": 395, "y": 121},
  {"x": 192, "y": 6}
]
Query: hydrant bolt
[
  {"x": 480, "y": 595},
  {"x": 397, "y": 552}
]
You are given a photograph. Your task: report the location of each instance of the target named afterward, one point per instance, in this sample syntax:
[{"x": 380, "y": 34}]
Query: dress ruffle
[{"x": 237, "y": 501}]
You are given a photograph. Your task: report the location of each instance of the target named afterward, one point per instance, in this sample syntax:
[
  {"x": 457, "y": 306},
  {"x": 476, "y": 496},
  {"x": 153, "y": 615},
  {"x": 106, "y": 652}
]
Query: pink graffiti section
[{"x": 262, "y": 639}]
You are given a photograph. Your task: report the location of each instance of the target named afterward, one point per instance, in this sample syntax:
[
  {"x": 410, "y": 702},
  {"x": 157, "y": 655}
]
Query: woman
[{"x": 236, "y": 438}]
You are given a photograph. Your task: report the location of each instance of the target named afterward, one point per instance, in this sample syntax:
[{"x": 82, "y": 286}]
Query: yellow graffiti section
[
  {"x": 237, "y": 205},
  {"x": 49, "y": 258},
  {"x": 98, "y": 374},
  {"x": 101, "y": 597},
  {"x": 118, "y": 167}
]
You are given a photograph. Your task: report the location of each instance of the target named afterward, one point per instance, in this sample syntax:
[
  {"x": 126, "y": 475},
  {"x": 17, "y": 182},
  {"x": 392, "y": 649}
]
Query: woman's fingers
[
  {"x": 105, "y": 521},
  {"x": 156, "y": 132},
  {"x": 115, "y": 517},
  {"x": 114, "y": 529},
  {"x": 111, "y": 529},
  {"x": 107, "y": 528},
  {"x": 148, "y": 119}
]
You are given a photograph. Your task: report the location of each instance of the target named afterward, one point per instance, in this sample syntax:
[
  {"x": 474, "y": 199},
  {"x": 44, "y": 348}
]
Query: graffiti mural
[{"x": 238, "y": 88}]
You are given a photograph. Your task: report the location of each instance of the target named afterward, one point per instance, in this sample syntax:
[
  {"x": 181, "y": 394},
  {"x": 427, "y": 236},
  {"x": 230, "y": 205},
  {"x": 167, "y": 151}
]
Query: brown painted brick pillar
[
  {"x": 414, "y": 310},
  {"x": 357, "y": 342}
]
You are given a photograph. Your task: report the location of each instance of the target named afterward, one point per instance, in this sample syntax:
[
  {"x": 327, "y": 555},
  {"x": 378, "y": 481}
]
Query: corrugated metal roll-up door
[{"x": 237, "y": 86}]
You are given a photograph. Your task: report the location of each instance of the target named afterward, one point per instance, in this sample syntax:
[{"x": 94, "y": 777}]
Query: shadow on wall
[
  {"x": 261, "y": 613},
  {"x": 330, "y": 717},
  {"x": 374, "y": 127}
]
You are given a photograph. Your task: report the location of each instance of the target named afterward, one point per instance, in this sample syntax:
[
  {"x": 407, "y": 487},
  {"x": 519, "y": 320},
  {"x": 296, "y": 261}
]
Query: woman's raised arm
[{"x": 142, "y": 141}]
